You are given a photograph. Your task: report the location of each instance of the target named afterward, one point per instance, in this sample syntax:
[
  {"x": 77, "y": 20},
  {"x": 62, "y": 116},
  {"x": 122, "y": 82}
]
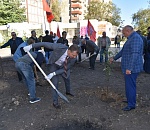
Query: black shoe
[
  {"x": 38, "y": 84},
  {"x": 91, "y": 68},
  {"x": 20, "y": 80},
  {"x": 57, "y": 106},
  {"x": 70, "y": 94},
  {"x": 128, "y": 108},
  {"x": 124, "y": 101}
]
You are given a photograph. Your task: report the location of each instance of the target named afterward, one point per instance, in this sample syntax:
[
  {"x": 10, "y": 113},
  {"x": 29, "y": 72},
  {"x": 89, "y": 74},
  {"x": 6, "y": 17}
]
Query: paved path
[{"x": 5, "y": 52}]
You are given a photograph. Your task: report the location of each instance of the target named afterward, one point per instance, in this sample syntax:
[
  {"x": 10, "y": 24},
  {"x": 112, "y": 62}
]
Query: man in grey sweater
[{"x": 24, "y": 66}]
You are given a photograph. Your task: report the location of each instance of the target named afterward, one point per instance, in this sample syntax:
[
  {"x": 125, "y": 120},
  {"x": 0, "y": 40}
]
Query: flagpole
[
  {"x": 27, "y": 11},
  {"x": 58, "y": 31},
  {"x": 50, "y": 2},
  {"x": 44, "y": 19},
  {"x": 48, "y": 11}
]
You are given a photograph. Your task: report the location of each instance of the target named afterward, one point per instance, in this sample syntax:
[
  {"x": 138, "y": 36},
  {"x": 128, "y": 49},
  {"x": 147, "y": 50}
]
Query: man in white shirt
[
  {"x": 59, "y": 56},
  {"x": 55, "y": 38},
  {"x": 104, "y": 43}
]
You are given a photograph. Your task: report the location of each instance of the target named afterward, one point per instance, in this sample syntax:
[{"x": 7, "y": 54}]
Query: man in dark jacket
[
  {"x": 33, "y": 36},
  {"x": 92, "y": 49},
  {"x": 63, "y": 39},
  {"x": 144, "y": 41},
  {"x": 14, "y": 42},
  {"x": 47, "y": 38}
]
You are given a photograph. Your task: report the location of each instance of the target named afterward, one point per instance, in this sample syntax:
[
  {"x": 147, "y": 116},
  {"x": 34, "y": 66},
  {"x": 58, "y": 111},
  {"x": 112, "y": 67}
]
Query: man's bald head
[{"x": 127, "y": 30}]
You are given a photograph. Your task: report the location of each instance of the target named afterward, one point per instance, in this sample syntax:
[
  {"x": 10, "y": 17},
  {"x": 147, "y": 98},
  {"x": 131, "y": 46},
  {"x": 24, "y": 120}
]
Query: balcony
[
  {"x": 76, "y": 5},
  {"x": 75, "y": 12},
  {"x": 74, "y": 18},
  {"x": 76, "y": 1}
]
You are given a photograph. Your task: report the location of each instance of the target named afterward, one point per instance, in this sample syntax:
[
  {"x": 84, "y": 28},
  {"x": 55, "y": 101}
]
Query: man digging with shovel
[
  {"x": 92, "y": 49},
  {"x": 24, "y": 66},
  {"x": 61, "y": 60}
]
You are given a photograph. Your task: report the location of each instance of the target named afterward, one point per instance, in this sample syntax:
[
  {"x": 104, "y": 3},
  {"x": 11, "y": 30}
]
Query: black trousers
[{"x": 83, "y": 49}]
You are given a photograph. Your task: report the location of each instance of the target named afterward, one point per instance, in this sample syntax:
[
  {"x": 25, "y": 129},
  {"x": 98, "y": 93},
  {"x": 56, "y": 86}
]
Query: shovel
[
  {"x": 59, "y": 93},
  {"x": 87, "y": 58}
]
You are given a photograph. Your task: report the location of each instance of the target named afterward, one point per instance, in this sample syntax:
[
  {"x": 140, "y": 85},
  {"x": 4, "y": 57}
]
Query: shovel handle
[
  {"x": 41, "y": 69},
  {"x": 87, "y": 58}
]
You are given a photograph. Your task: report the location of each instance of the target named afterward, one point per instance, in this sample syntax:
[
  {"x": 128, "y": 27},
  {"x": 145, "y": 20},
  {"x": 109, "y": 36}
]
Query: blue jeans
[
  {"x": 47, "y": 54},
  {"x": 28, "y": 76},
  {"x": 103, "y": 52},
  {"x": 130, "y": 88},
  {"x": 118, "y": 45}
]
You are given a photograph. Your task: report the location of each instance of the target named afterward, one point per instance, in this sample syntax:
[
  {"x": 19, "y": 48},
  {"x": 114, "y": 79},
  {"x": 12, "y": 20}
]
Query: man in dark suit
[
  {"x": 91, "y": 48},
  {"x": 57, "y": 65}
]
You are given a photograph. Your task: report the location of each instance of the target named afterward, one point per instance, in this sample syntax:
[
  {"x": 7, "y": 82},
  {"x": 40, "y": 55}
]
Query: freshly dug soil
[{"x": 96, "y": 105}]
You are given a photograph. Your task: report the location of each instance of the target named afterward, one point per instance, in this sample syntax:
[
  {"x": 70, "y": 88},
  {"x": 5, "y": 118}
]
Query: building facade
[
  {"x": 74, "y": 10},
  {"x": 100, "y": 0},
  {"x": 34, "y": 13}
]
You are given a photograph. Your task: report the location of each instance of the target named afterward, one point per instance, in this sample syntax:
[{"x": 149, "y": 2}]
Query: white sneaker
[{"x": 34, "y": 100}]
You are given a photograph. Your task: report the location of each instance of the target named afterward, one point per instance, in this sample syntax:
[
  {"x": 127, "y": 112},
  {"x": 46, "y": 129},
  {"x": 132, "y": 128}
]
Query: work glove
[
  {"x": 48, "y": 77},
  {"x": 27, "y": 48},
  {"x": 94, "y": 53},
  {"x": 42, "y": 51},
  {"x": 79, "y": 45}
]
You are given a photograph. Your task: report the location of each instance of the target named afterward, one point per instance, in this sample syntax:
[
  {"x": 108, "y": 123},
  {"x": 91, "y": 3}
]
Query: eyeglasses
[{"x": 13, "y": 35}]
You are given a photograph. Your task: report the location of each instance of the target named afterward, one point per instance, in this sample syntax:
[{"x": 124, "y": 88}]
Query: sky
[{"x": 129, "y": 7}]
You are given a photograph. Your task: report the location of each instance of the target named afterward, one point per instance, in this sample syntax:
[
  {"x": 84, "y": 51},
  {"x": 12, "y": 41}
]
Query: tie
[{"x": 65, "y": 65}]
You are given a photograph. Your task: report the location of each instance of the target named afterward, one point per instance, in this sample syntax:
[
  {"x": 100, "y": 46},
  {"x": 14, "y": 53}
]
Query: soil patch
[{"x": 96, "y": 106}]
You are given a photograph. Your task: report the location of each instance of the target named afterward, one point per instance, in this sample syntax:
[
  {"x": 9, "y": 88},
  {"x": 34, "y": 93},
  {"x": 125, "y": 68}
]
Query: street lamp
[
  {"x": 70, "y": 11},
  {"x": 8, "y": 26}
]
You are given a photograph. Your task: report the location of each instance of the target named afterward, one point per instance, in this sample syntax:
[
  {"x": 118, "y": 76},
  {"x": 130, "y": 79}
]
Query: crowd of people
[{"x": 59, "y": 57}]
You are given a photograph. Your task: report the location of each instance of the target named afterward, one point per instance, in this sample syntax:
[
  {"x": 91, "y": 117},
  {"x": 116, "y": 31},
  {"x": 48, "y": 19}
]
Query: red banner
[
  {"x": 49, "y": 14},
  {"x": 91, "y": 32},
  {"x": 58, "y": 31}
]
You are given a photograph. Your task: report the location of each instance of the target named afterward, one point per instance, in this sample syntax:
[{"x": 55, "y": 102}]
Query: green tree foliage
[
  {"x": 104, "y": 11},
  {"x": 56, "y": 10},
  {"x": 11, "y": 12},
  {"x": 141, "y": 20}
]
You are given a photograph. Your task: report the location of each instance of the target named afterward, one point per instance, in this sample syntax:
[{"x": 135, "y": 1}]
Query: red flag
[
  {"x": 91, "y": 32},
  {"x": 49, "y": 14},
  {"x": 58, "y": 32}
]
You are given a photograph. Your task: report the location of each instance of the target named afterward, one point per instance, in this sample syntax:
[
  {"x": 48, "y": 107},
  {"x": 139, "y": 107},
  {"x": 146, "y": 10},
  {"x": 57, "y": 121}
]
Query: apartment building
[
  {"x": 78, "y": 10},
  {"x": 74, "y": 10},
  {"x": 101, "y": 0}
]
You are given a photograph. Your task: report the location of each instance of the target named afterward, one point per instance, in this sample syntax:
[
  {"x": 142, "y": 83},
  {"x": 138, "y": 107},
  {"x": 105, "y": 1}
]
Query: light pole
[
  {"x": 70, "y": 11},
  {"x": 8, "y": 26}
]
